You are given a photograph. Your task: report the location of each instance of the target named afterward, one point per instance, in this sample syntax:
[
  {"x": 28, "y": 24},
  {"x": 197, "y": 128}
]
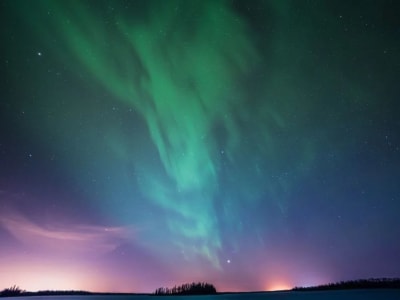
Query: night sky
[{"x": 254, "y": 145}]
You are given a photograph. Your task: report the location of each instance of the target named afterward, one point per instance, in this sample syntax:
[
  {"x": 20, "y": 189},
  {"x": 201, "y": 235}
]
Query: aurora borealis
[{"x": 251, "y": 144}]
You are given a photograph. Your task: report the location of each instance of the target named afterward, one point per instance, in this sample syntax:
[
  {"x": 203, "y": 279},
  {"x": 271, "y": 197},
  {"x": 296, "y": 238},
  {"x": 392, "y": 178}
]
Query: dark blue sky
[{"x": 251, "y": 144}]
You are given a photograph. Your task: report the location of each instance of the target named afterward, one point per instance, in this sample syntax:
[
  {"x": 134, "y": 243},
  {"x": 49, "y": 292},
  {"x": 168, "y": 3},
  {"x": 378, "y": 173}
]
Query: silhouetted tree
[{"x": 12, "y": 291}]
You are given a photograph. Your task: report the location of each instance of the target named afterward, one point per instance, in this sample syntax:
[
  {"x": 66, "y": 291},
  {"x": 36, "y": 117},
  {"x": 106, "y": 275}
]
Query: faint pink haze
[
  {"x": 40, "y": 274},
  {"x": 59, "y": 256}
]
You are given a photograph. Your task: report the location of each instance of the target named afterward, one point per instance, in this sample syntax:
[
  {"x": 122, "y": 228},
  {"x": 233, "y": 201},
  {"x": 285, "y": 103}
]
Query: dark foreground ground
[{"x": 390, "y": 294}]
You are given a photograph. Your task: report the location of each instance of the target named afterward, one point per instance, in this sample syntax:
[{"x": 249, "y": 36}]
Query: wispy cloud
[{"x": 71, "y": 238}]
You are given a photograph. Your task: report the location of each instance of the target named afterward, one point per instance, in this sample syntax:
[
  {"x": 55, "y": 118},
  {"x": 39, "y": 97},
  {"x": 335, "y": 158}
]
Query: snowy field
[{"x": 329, "y": 295}]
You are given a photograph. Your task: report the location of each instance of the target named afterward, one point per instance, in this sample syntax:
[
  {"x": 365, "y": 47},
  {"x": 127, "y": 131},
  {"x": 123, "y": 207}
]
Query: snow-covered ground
[{"x": 316, "y": 295}]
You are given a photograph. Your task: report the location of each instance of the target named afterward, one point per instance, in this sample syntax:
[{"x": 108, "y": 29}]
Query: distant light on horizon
[
  {"x": 44, "y": 275},
  {"x": 278, "y": 285}
]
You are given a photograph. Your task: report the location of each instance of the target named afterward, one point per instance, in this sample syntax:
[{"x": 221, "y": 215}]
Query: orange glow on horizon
[{"x": 278, "y": 286}]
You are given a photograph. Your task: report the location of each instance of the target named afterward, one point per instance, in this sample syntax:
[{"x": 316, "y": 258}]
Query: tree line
[
  {"x": 372, "y": 283},
  {"x": 200, "y": 288},
  {"x": 16, "y": 291}
]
